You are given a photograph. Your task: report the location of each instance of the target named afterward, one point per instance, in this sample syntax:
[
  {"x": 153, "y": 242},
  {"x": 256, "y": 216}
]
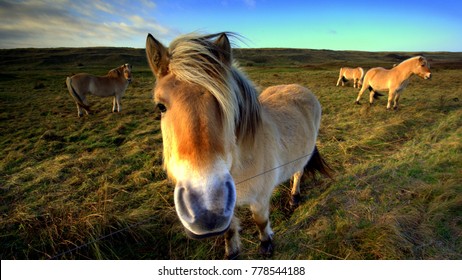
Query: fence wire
[{"x": 149, "y": 219}]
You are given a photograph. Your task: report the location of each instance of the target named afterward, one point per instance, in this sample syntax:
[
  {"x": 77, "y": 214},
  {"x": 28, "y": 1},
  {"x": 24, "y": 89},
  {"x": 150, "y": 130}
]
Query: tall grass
[{"x": 94, "y": 188}]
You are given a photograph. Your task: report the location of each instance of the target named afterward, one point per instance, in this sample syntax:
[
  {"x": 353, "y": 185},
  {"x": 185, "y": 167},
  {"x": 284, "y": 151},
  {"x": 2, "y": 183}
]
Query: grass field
[{"x": 94, "y": 188}]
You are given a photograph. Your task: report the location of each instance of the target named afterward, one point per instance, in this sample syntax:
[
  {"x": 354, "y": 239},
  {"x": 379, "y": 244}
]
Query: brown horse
[
  {"x": 113, "y": 84},
  {"x": 355, "y": 74},
  {"x": 222, "y": 143},
  {"x": 394, "y": 80}
]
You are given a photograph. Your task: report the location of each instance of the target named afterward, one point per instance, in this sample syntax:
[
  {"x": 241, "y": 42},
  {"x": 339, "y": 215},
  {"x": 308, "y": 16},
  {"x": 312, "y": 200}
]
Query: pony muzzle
[{"x": 205, "y": 212}]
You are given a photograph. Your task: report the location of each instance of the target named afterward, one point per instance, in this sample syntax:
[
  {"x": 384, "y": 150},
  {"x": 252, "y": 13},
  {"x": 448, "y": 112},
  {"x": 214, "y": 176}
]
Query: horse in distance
[
  {"x": 218, "y": 134},
  {"x": 355, "y": 74},
  {"x": 113, "y": 85},
  {"x": 394, "y": 80}
]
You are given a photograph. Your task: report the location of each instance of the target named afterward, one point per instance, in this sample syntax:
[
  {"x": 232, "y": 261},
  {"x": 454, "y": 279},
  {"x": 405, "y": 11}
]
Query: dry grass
[{"x": 94, "y": 188}]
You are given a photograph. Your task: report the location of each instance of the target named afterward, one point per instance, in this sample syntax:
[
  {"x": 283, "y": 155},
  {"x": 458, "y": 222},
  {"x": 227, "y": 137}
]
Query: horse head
[
  {"x": 422, "y": 68},
  {"x": 127, "y": 71},
  {"x": 197, "y": 123}
]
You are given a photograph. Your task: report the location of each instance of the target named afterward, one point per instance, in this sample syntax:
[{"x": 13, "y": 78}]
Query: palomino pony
[
  {"x": 394, "y": 80},
  {"x": 355, "y": 74},
  {"x": 222, "y": 143},
  {"x": 113, "y": 84}
]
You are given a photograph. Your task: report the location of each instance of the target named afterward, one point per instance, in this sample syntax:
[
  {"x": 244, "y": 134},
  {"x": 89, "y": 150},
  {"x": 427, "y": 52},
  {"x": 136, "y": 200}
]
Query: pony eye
[{"x": 161, "y": 107}]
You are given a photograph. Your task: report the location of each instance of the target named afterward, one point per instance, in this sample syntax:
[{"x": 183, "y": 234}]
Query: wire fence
[{"x": 100, "y": 238}]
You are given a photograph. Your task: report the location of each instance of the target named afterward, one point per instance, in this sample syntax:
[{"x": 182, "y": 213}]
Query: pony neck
[{"x": 404, "y": 70}]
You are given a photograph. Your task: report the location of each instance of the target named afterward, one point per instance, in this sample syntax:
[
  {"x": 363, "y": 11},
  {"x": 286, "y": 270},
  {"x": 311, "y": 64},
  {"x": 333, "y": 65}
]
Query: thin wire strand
[
  {"x": 148, "y": 219},
  {"x": 101, "y": 238},
  {"x": 272, "y": 169}
]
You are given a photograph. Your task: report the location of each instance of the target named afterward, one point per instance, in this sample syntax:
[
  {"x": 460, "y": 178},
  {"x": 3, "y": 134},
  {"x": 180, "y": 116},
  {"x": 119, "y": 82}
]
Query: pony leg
[
  {"x": 371, "y": 97},
  {"x": 116, "y": 104},
  {"x": 295, "y": 192},
  {"x": 79, "y": 111},
  {"x": 232, "y": 240},
  {"x": 80, "y": 108},
  {"x": 395, "y": 105},
  {"x": 391, "y": 96},
  {"x": 339, "y": 80},
  {"x": 360, "y": 94},
  {"x": 260, "y": 215}
]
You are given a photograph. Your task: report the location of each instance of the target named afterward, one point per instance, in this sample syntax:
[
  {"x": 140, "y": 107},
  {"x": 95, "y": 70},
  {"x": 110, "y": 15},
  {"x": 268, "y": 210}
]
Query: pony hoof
[
  {"x": 295, "y": 200},
  {"x": 357, "y": 102},
  {"x": 266, "y": 248},
  {"x": 233, "y": 256}
]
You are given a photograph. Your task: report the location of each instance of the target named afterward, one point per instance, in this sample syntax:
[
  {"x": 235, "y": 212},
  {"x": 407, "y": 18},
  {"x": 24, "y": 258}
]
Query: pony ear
[
  {"x": 224, "y": 49},
  {"x": 157, "y": 56}
]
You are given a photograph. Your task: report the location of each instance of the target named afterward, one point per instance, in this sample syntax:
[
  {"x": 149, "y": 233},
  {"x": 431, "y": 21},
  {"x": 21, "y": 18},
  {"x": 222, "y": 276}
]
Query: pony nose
[
  {"x": 429, "y": 76},
  {"x": 205, "y": 212}
]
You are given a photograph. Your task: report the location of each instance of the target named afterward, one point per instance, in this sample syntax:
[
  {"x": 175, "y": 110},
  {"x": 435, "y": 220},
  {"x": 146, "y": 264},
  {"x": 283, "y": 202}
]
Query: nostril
[
  {"x": 231, "y": 199},
  {"x": 184, "y": 203}
]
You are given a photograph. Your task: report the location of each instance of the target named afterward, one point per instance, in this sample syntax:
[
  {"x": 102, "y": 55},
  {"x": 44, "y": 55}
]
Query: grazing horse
[
  {"x": 355, "y": 74},
  {"x": 113, "y": 84},
  {"x": 223, "y": 145},
  {"x": 394, "y": 80}
]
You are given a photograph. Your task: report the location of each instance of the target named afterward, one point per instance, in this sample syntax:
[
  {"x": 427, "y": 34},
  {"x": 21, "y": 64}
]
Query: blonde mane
[
  {"x": 196, "y": 59},
  {"x": 114, "y": 73}
]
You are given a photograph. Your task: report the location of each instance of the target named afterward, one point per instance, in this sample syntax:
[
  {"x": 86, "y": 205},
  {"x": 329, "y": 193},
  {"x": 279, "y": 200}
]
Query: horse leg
[
  {"x": 371, "y": 97},
  {"x": 116, "y": 104},
  {"x": 391, "y": 95},
  {"x": 295, "y": 192},
  {"x": 117, "y": 99},
  {"x": 79, "y": 111},
  {"x": 232, "y": 240},
  {"x": 339, "y": 80},
  {"x": 361, "y": 91},
  {"x": 395, "y": 105},
  {"x": 260, "y": 215},
  {"x": 80, "y": 108}
]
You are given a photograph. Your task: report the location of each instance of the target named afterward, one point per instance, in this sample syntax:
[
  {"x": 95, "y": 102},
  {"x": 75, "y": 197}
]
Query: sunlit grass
[{"x": 94, "y": 187}]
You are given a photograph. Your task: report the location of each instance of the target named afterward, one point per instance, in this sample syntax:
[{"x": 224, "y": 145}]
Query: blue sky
[{"x": 391, "y": 25}]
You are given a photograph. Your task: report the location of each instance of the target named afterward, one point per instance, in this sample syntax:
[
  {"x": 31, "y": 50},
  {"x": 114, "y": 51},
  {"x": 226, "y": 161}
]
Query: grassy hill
[{"x": 94, "y": 188}]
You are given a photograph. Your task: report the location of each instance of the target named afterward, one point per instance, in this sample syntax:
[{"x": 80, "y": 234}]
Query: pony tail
[
  {"x": 317, "y": 164},
  {"x": 377, "y": 95}
]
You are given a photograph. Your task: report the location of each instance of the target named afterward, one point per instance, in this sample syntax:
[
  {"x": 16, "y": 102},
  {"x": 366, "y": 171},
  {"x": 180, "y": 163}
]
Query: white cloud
[{"x": 66, "y": 23}]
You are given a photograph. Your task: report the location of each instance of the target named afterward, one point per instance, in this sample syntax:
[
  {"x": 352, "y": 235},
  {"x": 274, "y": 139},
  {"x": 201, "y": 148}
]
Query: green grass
[{"x": 94, "y": 188}]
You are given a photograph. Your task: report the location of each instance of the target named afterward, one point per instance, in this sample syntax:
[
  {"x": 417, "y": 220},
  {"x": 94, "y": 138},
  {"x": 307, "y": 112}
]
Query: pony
[
  {"x": 395, "y": 80},
  {"x": 223, "y": 143},
  {"x": 355, "y": 74},
  {"x": 113, "y": 84}
]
